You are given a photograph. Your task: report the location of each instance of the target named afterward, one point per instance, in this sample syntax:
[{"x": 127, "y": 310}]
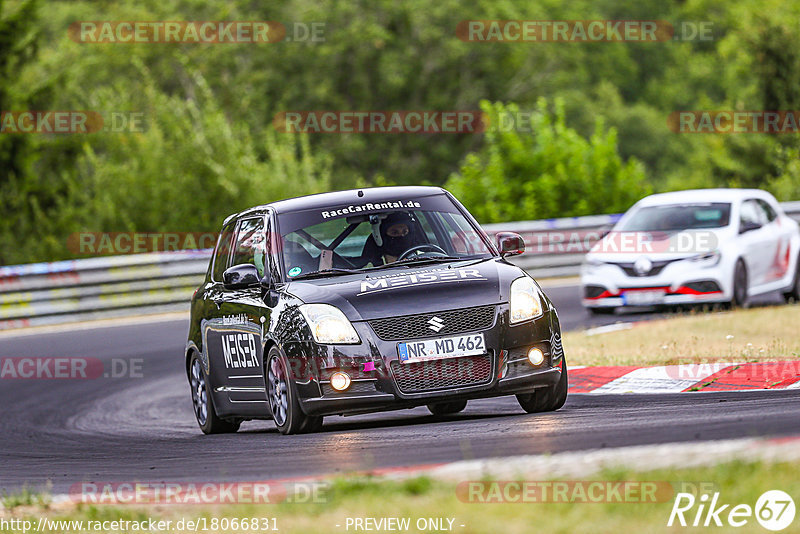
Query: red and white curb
[{"x": 702, "y": 377}]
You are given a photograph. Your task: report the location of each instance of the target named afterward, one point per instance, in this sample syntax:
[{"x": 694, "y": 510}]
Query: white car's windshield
[{"x": 676, "y": 218}]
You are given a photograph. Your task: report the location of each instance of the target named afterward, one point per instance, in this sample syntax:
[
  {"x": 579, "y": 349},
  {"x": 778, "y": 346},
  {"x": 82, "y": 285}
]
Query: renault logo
[
  {"x": 642, "y": 266},
  {"x": 435, "y": 324}
]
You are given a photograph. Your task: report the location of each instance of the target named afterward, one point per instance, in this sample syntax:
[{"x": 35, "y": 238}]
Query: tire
[
  {"x": 282, "y": 396},
  {"x": 547, "y": 399},
  {"x": 601, "y": 311},
  {"x": 203, "y": 402},
  {"x": 740, "y": 285},
  {"x": 312, "y": 424},
  {"x": 793, "y": 295},
  {"x": 447, "y": 408}
]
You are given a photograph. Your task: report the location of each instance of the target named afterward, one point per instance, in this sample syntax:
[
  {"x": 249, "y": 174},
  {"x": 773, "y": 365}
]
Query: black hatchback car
[{"x": 362, "y": 301}]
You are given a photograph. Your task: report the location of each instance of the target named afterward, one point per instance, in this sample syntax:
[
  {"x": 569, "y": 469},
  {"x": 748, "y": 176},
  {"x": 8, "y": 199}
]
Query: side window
[
  {"x": 769, "y": 212},
  {"x": 462, "y": 236},
  {"x": 222, "y": 252},
  {"x": 751, "y": 212},
  {"x": 250, "y": 244}
]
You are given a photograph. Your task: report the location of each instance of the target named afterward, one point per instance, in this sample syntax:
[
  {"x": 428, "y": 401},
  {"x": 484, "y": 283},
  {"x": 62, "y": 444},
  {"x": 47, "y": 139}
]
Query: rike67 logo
[{"x": 774, "y": 510}]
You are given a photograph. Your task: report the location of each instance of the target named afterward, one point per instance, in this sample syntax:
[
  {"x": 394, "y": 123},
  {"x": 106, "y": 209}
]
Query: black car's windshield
[
  {"x": 676, "y": 218},
  {"x": 342, "y": 238}
]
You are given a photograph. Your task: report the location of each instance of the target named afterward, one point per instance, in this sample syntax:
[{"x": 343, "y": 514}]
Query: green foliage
[
  {"x": 210, "y": 149},
  {"x": 550, "y": 171},
  {"x": 25, "y": 497},
  {"x": 190, "y": 166}
]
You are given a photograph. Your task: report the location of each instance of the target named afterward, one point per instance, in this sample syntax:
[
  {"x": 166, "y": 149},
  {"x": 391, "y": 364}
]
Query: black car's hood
[{"x": 408, "y": 290}]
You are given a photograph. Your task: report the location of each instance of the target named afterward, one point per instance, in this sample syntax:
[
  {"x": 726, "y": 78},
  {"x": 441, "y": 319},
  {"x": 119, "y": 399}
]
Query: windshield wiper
[
  {"x": 325, "y": 272},
  {"x": 428, "y": 259}
]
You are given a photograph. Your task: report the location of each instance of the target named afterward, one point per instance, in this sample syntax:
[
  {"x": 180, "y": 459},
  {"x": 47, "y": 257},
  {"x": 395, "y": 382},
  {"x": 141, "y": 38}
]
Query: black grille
[
  {"x": 520, "y": 368},
  {"x": 592, "y": 292},
  {"x": 518, "y": 364},
  {"x": 417, "y": 326},
  {"x": 366, "y": 386},
  {"x": 704, "y": 286},
  {"x": 657, "y": 267},
  {"x": 442, "y": 374}
]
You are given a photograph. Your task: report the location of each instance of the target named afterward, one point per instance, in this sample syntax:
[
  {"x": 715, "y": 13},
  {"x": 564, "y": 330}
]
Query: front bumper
[
  {"x": 377, "y": 372},
  {"x": 681, "y": 282}
]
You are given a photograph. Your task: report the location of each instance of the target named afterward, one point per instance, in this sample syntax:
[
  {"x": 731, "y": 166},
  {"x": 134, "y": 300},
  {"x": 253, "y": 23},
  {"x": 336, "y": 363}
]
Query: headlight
[
  {"x": 526, "y": 303},
  {"x": 590, "y": 264},
  {"x": 712, "y": 258},
  {"x": 328, "y": 324}
]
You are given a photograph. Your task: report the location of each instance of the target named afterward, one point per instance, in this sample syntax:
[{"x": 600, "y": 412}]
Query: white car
[{"x": 688, "y": 247}]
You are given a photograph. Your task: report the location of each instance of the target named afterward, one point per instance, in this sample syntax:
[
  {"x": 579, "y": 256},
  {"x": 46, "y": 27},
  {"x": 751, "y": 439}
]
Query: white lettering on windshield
[{"x": 369, "y": 206}]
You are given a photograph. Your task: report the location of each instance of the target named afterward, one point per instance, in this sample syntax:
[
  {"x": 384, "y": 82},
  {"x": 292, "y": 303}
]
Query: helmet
[{"x": 399, "y": 232}]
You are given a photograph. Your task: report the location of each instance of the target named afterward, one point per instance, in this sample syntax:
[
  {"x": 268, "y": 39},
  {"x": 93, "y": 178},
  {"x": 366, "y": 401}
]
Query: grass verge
[
  {"x": 737, "y": 482},
  {"x": 758, "y": 334}
]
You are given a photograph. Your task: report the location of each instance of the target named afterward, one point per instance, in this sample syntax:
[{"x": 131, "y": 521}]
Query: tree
[{"x": 550, "y": 171}]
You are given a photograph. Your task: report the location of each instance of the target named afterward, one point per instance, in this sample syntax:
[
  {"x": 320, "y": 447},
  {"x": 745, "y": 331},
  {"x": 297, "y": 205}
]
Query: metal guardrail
[
  {"x": 65, "y": 291},
  {"x": 74, "y": 290}
]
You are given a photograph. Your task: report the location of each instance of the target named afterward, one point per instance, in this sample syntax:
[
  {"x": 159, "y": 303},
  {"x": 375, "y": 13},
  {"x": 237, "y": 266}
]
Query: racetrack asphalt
[{"x": 141, "y": 427}]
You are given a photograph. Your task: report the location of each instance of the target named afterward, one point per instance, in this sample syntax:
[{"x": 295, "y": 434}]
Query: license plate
[
  {"x": 438, "y": 349},
  {"x": 643, "y": 298}
]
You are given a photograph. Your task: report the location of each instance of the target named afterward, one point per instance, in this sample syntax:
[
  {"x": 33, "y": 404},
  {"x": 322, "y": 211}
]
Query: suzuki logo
[{"x": 435, "y": 324}]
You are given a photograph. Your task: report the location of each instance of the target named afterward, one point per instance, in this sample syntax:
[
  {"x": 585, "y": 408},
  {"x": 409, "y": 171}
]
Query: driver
[{"x": 399, "y": 233}]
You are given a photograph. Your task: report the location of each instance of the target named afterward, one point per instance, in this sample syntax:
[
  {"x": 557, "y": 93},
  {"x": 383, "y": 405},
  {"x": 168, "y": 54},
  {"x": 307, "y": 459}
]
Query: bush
[{"x": 551, "y": 171}]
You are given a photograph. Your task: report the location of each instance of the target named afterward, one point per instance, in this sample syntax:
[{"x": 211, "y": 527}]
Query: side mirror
[
  {"x": 240, "y": 276},
  {"x": 510, "y": 244},
  {"x": 748, "y": 226}
]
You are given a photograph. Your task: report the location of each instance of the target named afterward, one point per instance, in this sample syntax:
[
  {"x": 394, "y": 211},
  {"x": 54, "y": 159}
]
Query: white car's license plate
[
  {"x": 643, "y": 298},
  {"x": 438, "y": 349}
]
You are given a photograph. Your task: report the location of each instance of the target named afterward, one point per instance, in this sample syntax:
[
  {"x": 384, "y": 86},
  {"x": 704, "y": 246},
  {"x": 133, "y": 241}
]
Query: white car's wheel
[
  {"x": 793, "y": 295},
  {"x": 740, "y": 285}
]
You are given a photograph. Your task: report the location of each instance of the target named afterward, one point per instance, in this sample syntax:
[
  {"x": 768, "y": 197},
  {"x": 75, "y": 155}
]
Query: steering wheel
[{"x": 432, "y": 248}]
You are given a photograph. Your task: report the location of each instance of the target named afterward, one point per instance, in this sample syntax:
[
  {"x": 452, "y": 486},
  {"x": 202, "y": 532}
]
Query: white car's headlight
[
  {"x": 526, "y": 302},
  {"x": 709, "y": 258},
  {"x": 590, "y": 264},
  {"x": 328, "y": 324}
]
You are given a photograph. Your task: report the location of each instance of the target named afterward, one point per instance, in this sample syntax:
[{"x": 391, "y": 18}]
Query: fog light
[
  {"x": 340, "y": 381},
  {"x": 535, "y": 356}
]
